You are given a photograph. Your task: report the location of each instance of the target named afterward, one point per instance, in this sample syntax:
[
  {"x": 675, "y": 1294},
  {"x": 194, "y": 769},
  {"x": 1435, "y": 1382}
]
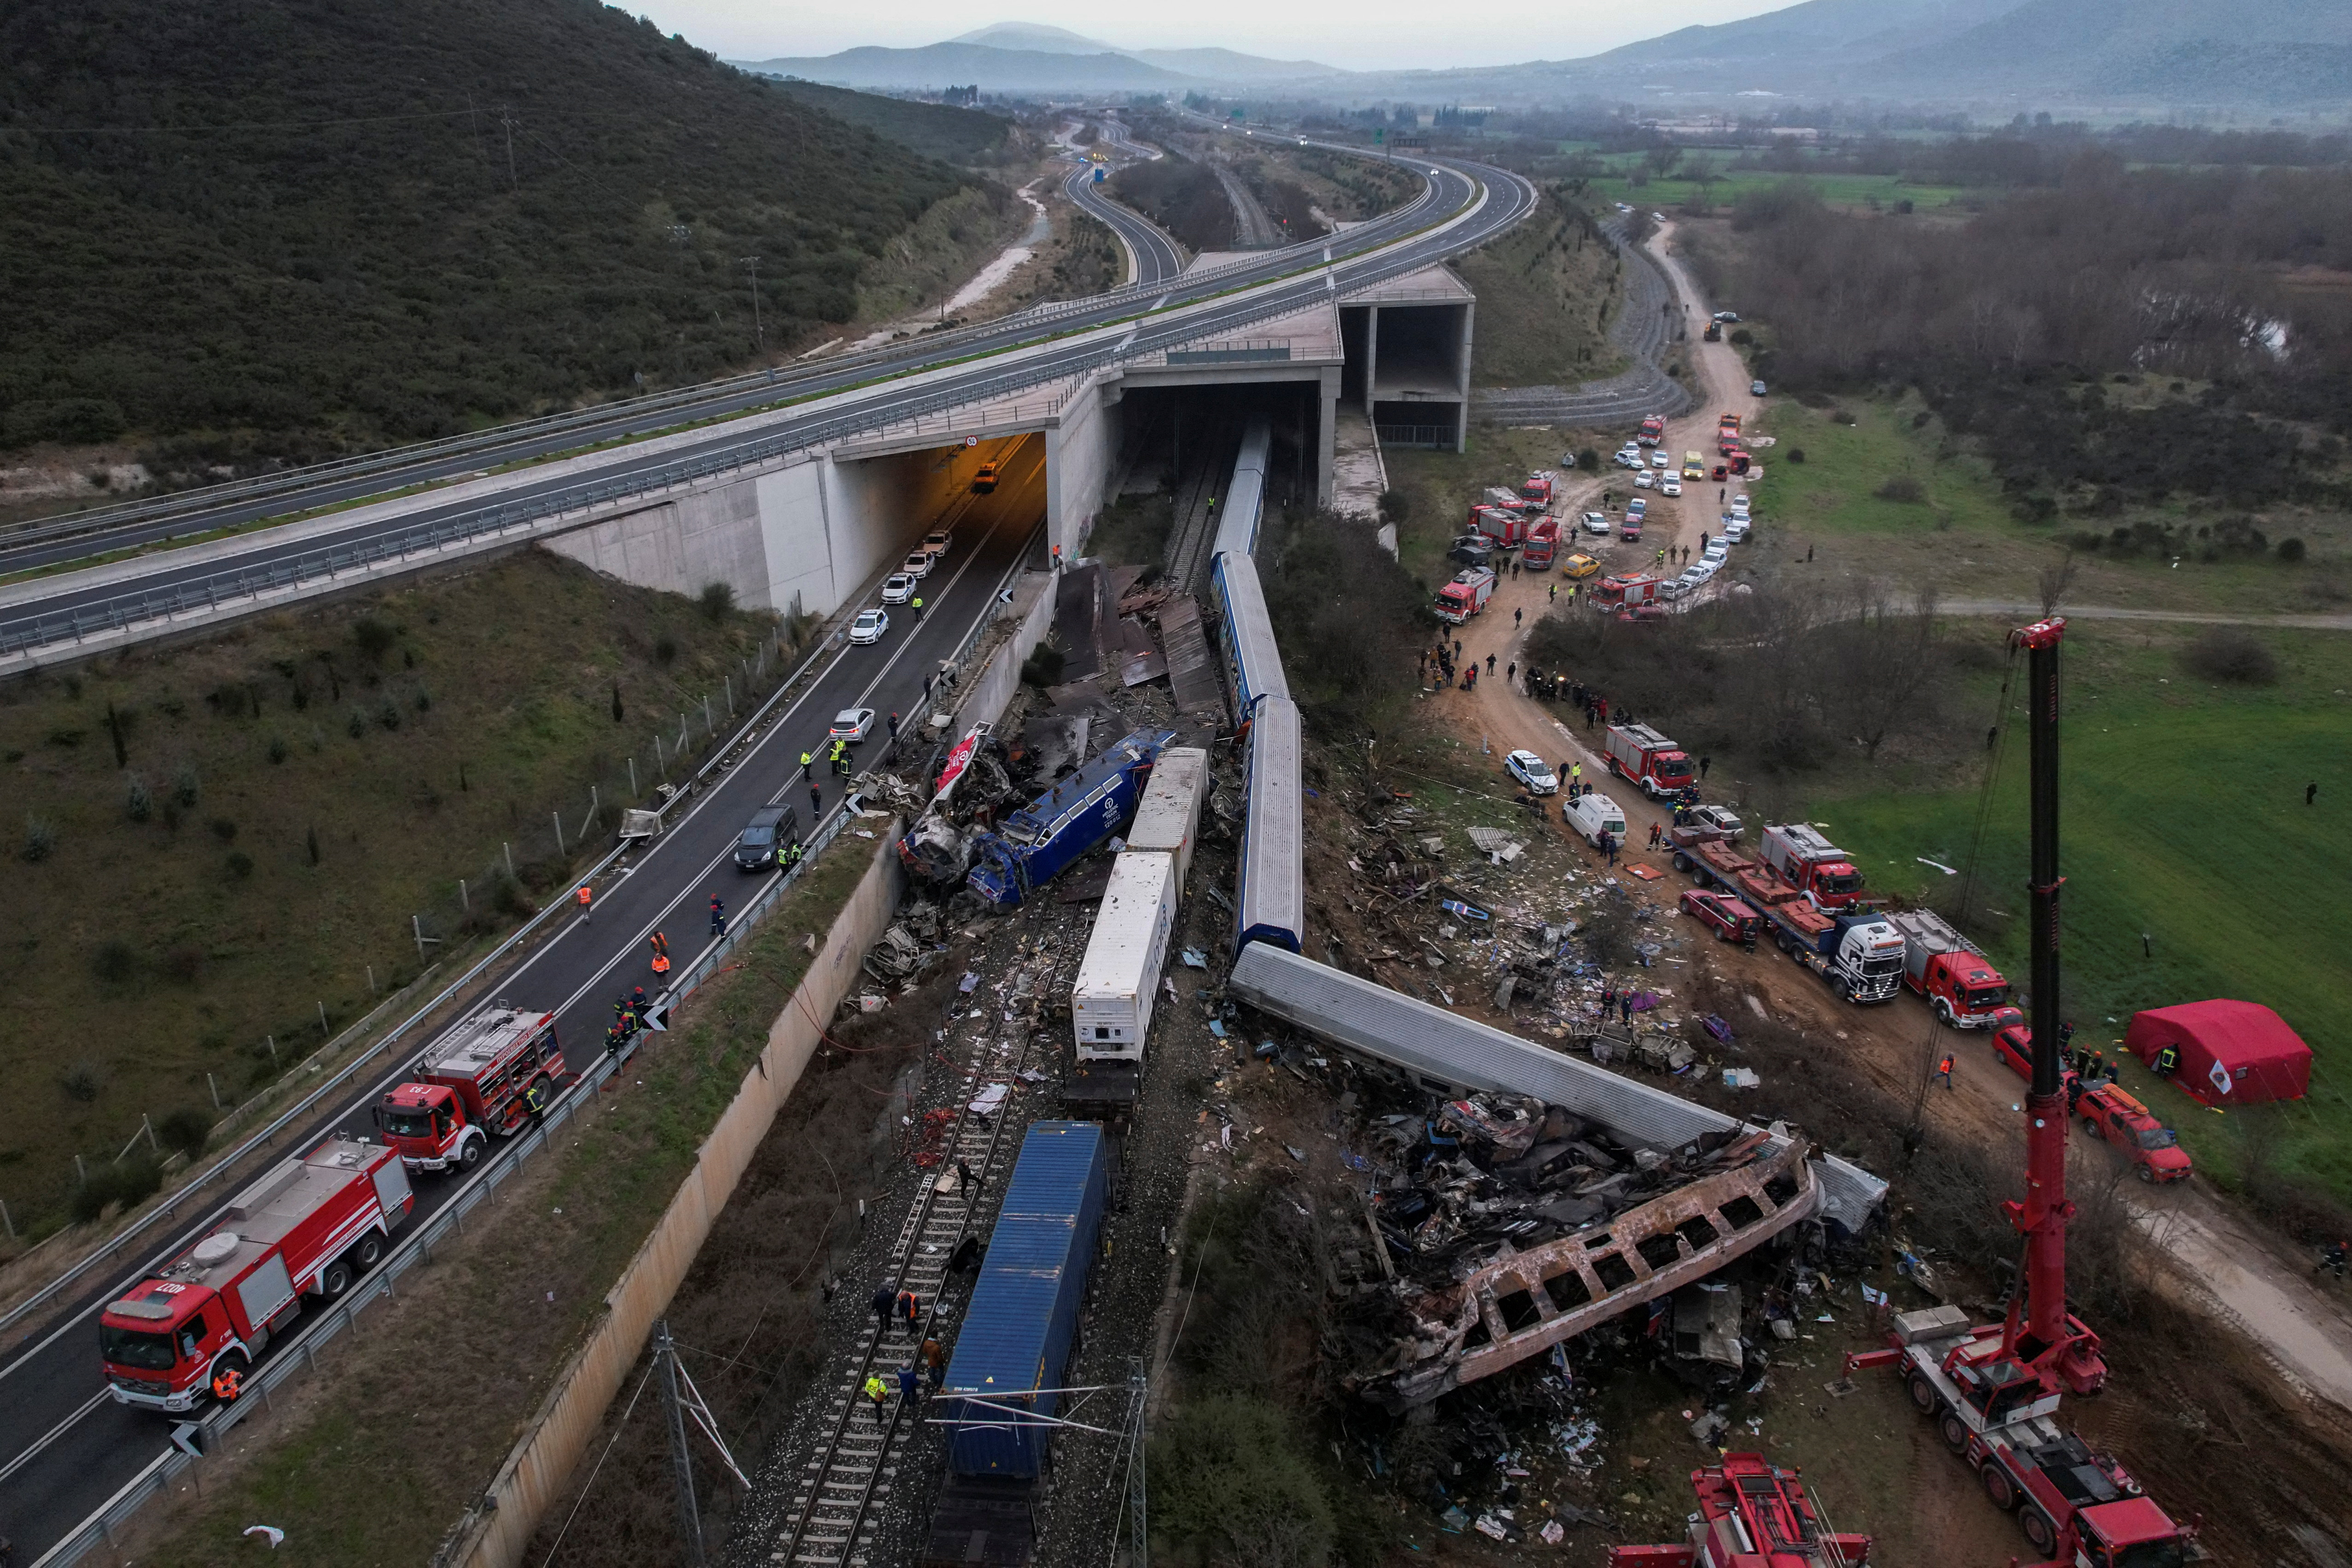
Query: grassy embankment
[
  {"x": 530, "y": 1279},
  {"x": 309, "y": 781},
  {"x": 1674, "y": 192},
  {"x": 1545, "y": 293}
]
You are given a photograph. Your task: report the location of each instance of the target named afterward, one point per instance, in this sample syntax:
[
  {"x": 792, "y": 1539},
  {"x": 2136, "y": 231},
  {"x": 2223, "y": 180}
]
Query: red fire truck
[
  {"x": 485, "y": 1076},
  {"x": 1812, "y": 865},
  {"x": 1543, "y": 543},
  {"x": 1465, "y": 596},
  {"x": 1638, "y": 752},
  {"x": 1537, "y": 492},
  {"x": 1653, "y": 430},
  {"x": 192, "y": 1330}
]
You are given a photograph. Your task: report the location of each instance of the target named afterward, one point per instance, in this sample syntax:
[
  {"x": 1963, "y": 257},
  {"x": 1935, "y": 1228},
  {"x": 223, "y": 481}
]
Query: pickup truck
[{"x": 2114, "y": 1116}]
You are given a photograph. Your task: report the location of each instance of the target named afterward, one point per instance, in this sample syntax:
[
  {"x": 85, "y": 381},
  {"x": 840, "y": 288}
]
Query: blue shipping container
[{"x": 1017, "y": 1333}]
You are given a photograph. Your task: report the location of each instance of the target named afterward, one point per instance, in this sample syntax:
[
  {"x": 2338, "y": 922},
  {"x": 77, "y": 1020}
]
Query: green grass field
[
  {"x": 2184, "y": 820},
  {"x": 1856, "y": 192}
]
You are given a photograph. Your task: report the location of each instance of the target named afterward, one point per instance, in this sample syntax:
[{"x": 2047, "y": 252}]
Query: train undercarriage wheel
[
  {"x": 1923, "y": 1398},
  {"x": 2040, "y": 1533},
  {"x": 1998, "y": 1486}
]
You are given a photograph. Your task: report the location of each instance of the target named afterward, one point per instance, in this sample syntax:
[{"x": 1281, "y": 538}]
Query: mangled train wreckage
[{"x": 1589, "y": 1193}]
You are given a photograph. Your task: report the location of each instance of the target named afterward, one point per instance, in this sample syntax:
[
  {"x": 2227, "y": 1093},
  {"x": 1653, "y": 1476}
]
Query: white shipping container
[
  {"x": 1110, "y": 1006},
  {"x": 1169, "y": 816}
]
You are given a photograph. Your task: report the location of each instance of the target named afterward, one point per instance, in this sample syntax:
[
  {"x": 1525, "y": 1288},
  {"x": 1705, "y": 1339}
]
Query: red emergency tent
[{"x": 2231, "y": 1053}]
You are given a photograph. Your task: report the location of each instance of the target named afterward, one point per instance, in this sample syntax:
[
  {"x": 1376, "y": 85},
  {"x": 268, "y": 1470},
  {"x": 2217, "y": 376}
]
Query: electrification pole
[
  {"x": 689, "y": 1517},
  {"x": 753, "y": 263}
]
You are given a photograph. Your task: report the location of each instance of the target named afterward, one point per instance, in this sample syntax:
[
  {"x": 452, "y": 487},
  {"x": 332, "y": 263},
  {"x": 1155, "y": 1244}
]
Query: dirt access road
[{"x": 2225, "y": 1265}]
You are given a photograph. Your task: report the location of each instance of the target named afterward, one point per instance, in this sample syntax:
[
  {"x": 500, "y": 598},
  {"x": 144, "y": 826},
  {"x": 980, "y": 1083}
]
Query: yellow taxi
[{"x": 1579, "y": 566}]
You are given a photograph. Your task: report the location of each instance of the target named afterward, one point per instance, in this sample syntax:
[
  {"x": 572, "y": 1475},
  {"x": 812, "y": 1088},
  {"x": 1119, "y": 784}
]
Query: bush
[
  {"x": 2291, "y": 551},
  {"x": 1796, "y": 453},
  {"x": 1901, "y": 488},
  {"x": 223, "y": 829},
  {"x": 1587, "y": 459},
  {"x": 115, "y": 962},
  {"x": 2229, "y": 654},
  {"x": 389, "y": 714},
  {"x": 185, "y": 1131},
  {"x": 665, "y": 648},
  {"x": 717, "y": 602},
  {"x": 1231, "y": 1483},
  {"x": 374, "y": 638},
  {"x": 1841, "y": 416},
  {"x": 79, "y": 1082},
  {"x": 1396, "y": 506},
  {"x": 240, "y": 865},
  {"x": 137, "y": 803},
  {"x": 129, "y": 1182},
  {"x": 185, "y": 784},
  {"x": 277, "y": 747},
  {"x": 183, "y": 963},
  {"x": 41, "y": 839},
  {"x": 1742, "y": 338}
]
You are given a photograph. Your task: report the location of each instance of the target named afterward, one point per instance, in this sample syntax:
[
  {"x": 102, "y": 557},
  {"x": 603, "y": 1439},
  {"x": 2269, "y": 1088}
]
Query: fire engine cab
[{"x": 484, "y": 1078}]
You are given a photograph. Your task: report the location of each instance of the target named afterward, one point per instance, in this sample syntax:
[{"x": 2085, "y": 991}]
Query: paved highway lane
[
  {"x": 66, "y": 1448},
  {"x": 198, "y": 514},
  {"x": 1157, "y": 258},
  {"x": 1224, "y": 303}
]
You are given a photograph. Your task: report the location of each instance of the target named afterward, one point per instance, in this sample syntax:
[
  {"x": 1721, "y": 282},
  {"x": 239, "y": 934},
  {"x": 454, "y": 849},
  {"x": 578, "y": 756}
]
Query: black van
[{"x": 770, "y": 829}]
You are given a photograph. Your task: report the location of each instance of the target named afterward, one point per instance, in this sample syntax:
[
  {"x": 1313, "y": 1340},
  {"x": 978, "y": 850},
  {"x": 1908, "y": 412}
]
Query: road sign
[{"x": 971, "y": 441}]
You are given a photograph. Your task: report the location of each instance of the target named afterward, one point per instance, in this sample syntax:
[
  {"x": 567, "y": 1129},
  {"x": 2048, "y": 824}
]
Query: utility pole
[
  {"x": 1138, "y": 1534},
  {"x": 506, "y": 118},
  {"x": 753, "y": 263},
  {"x": 689, "y": 1517}
]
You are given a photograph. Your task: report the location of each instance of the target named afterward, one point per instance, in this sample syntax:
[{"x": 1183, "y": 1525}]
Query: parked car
[
  {"x": 853, "y": 724},
  {"x": 1659, "y": 460},
  {"x": 1754, "y": 389},
  {"x": 916, "y": 564},
  {"x": 1717, "y": 549},
  {"x": 870, "y": 626},
  {"x": 1739, "y": 504},
  {"x": 1670, "y": 590},
  {"x": 935, "y": 544},
  {"x": 983, "y": 481},
  {"x": 1730, "y": 918},
  {"x": 1670, "y": 486},
  {"x": 1734, "y": 529},
  {"x": 898, "y": 588},
  {"x": 1590, "y": 815},
  {"x": 2014, "y": 1048},
  {"x": 1644, "y": 479},
  {"x": 1726, "y": 315},
  {"x": 1472, "y": 550},
  {"x": 1580, "y": 565},
  {"x": 772, "y": 827},
  {"x": 1630, "y": 457},
  {"x": 1533, "y": 772},
  {"x": 1597, "y": 524}
]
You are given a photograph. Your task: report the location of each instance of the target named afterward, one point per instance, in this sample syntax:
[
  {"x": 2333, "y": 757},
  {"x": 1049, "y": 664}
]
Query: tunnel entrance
[{"x": 1170, "y": 436}]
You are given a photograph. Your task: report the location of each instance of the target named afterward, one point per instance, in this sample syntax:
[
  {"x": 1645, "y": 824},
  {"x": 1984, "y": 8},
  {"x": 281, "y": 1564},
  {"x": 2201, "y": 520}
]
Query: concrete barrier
[{"x": 541, "y": 1462}]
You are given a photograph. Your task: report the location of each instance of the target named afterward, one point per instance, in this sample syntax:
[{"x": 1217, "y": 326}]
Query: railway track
[
  {"x": 854, "y": 1469},
  {"x": 1194, "y": 529}
]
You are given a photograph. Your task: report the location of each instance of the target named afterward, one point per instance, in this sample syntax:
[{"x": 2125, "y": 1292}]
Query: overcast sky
[{"x": 1365, "y": 35}]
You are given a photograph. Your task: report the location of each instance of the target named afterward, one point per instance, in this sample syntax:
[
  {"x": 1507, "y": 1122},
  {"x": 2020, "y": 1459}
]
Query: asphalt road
[
  {"x": 628, "y": 420},
  {"x": 65, "y": 1447},
  {"x": 1157, "y": 258}
]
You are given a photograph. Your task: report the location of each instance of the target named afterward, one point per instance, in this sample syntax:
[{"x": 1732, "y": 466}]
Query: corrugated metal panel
[
  {"x": 1456, "y": 1053},
  {"x": 1247, "y": 634},
  {"x": 1271, "y": 905},
  {"x": 1189, "y": 672},
  {"x": 1017, "y": 1333}
]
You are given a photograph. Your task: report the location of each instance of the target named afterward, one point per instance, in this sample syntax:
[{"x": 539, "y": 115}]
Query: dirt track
[{"x": 2224, "y": 1266}]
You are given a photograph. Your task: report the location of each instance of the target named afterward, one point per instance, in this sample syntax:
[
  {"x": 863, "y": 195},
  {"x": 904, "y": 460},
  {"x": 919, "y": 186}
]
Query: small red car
[
  {"x": 2014, "y": 1046},
  {"x": 1730, "y": 918}
]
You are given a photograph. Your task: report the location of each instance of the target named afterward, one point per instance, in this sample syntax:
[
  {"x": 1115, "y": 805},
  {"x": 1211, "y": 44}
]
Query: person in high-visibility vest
[
  {"x": 919, "y": 610},
  {"x": 227, "y": 1381},
  {"x": 586, "y": 895},
  {"x": 661, "y": 953}
]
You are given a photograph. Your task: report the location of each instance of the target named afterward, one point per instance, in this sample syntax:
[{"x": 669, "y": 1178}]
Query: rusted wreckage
[
  {"x": 1512, "y": 1304},
  {"x": 1546, "y": 1195}
]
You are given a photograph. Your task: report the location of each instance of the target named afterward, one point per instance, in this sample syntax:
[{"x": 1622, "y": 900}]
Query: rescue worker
[
  {"x": 884, "y": 1299},
  {"x": 586, "y": 895},
  {"x": 877, "y": 1391},
  {"x": 1944, "y": 1070},
  {"x": 816, "y": 798},
  {"x": 534, "y": 1098},
  {"x": 790, "y": 857},
  {"x": 637, "y": 1001},
  {"x": 908, "y": 1386},
  {"x": 228, "y": 1383},
  {"x": 1655, "y": 830},
  {"x": 918, "y": 612},
  {"x": 1575, "y": 776},
  {"x": 935, "y": 1361},
  {"x": 718, "y": 917},
  {"x": 910, "y": 1309},
  {"x": 805, "y": 761},
  {"x": 2168, "y": 1061},
  {"x": 660, "y": 945},
  {"x": 613, "y": 1040}
]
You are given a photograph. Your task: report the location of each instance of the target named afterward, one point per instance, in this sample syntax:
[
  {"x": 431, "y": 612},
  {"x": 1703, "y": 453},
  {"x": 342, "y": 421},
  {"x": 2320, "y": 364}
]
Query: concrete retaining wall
[
  {"x": 1081, "y": 446},
  {"x": 541, "y": 1463},
  {"x": 986, "y": 696}
]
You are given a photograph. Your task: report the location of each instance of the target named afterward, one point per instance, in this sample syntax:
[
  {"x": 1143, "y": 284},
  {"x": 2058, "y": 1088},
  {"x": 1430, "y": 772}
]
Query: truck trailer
[
  {"x": 1110, "y": 1004},
  {"x": 1861, "y": 955},
  {"x": 1168, "y": 818},
  {"x": 191, "y": 1330},
  {"x": 1961, "y": 987},
  {"x": 485, "y": 1078}
]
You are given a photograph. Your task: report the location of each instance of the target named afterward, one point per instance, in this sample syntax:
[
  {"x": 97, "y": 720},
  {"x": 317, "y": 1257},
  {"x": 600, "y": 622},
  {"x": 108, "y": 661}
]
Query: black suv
[{"x": 770, "y": 830}]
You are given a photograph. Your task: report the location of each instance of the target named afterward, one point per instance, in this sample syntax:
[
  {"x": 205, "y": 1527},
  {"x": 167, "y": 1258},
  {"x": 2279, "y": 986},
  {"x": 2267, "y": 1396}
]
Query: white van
[{"x": 1591, "y": 816}]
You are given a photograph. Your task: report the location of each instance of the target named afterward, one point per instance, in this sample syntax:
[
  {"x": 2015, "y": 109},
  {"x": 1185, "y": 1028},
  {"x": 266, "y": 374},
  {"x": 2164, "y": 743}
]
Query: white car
[
  {"x": 1736, "y": 530},
  {"x": 935, "y": 545},
  {"x": 1726, "y": 315},
  {"x": 1597, "y": 524},
  {"x": 1533, "y": 772},
  {"x": 1659, "y": 460},
  {"x": 1669, "y": 486},
  {"x": 870, "y": 626},
  {"x": 1628, "y": 457},
  {"x": 1756, "y": 389},
  {"x": 1717, "y": 551},
  {"x": 917, "y": 564},
  {"x": 1644, "y": 479},
  {"x": 853, "y": 724},
  {"x": 1739, "y": 504},
  {"x": 898, "y": 588}
]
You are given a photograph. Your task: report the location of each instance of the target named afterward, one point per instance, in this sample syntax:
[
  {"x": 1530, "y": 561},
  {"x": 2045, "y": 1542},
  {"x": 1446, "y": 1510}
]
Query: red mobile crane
[
  {"x": 1994, "y": 1390},
  {"x": 1751, "y": 1514}
]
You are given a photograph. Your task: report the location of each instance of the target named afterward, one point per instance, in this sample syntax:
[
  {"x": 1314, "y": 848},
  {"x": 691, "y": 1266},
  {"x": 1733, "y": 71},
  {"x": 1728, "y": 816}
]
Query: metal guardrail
[{"x": 1434, "y": 438}]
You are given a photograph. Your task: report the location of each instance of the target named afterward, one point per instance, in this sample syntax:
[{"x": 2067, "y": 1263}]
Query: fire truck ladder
[{"x": 854, "y": 1465}]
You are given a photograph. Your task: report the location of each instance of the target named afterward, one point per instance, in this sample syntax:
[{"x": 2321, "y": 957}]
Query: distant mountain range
[{"x": 2258, "y": 54}]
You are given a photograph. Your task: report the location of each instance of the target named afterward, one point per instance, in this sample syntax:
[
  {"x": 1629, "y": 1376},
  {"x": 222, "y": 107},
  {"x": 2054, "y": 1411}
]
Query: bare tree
[
  {"x": 1880, "y": 659},
  {"x": 2054, "y": 581}
]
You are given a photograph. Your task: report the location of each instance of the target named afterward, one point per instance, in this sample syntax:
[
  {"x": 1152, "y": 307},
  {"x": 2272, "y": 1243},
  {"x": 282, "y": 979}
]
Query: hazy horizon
[{"x": 1372, "y": 35}]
